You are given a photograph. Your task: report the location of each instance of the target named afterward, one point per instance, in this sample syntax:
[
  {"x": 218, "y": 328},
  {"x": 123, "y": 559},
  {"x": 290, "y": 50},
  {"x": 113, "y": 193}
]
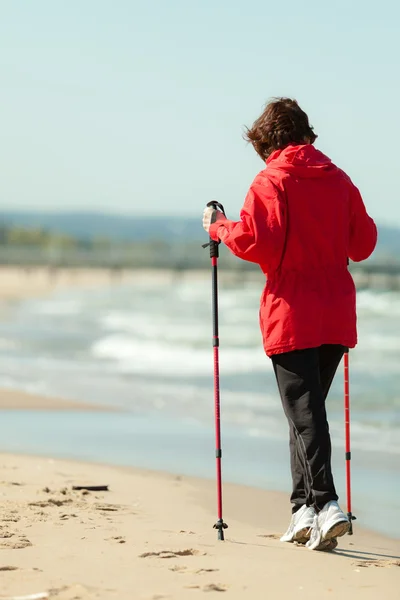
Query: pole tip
[
  {"x": 351, "y": 518},
  {"x": 220, "y": 526}
]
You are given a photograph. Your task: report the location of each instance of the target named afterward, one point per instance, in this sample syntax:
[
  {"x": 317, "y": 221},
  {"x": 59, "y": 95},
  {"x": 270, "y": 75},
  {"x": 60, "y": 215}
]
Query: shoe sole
[
  {"x": 302, "y": 536},
  {"x": 337, "y": 530},
  {"x": 328, "y": 545}
]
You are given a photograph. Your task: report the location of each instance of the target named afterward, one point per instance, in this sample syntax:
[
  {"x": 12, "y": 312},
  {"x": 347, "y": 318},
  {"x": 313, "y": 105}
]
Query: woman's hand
[{"x": 211, "y": 215}]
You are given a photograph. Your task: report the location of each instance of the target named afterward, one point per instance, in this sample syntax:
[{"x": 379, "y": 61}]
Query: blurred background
[{"x": 119, "y": 122}]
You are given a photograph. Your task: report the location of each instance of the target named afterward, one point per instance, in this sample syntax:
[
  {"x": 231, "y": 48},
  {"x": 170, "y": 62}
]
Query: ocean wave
[
  {"x": 259, "y": 414},
  {"x": 147, "y": 357},
  {"x": 362, "y": 439},
  {"x": 380, "y": 343},
  {"x": 384, "y": 303},
  {"x": 149, "y": 348},
  {"x": 56, "y": 307},
  {"x": 238, "y": 327},
  {"x": 8, "y": 344}
]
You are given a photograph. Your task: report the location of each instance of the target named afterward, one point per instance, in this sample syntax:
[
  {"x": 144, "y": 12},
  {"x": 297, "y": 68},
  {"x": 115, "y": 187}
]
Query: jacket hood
[{"x": 302, "y": 161}]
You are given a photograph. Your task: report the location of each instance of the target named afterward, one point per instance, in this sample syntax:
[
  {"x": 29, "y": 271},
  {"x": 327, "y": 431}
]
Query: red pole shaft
[
  {"x": 218, "y": 431},
  {"x": 347, "y": 429},
  {"x": 218, "y": 452}
]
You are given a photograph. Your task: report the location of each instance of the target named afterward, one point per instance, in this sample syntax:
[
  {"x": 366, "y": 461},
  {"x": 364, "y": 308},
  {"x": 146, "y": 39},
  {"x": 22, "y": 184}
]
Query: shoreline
[
  {"x": 207, "y": 497},
  {"x": 15, "y": 399},
  {"x": 22, "y": 283},
  {"x": 150, "y": 536},
  {"x": 124, "y": 439}
]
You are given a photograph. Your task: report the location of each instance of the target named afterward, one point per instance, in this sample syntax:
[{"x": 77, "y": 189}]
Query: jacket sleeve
[
  {"x": 259, "y": 235},
  {"x": 363, "y": 231}
]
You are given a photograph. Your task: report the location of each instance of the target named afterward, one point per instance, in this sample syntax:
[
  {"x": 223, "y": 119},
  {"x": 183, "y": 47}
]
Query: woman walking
[{"x": 302, "y": 220}]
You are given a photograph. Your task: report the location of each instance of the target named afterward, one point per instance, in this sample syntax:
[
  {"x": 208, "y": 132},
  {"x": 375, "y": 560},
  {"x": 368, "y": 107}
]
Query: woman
[{"x": 301, "y": 221}]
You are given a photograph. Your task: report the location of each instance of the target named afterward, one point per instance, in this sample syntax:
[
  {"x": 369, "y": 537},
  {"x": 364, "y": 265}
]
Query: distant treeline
[
  {"x": 40, "y": 246},
  {"x": 43, "y": 238},
  {"x": 39, "y": 237},
  {"x": 101, "y": 232}
]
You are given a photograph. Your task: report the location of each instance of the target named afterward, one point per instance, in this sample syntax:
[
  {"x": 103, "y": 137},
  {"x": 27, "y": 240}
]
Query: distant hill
[{"x": 87, "y": 225}]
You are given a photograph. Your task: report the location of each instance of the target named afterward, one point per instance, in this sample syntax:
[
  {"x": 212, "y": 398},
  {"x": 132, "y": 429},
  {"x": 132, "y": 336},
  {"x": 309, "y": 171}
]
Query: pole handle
[
  {"x": 216, "y": 205},
  {"x": 214, "y": 251}
]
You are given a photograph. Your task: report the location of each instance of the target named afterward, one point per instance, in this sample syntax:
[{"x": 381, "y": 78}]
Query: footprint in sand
[
  {"x": 211, "y": 587},
  {"x": 4, "y": 534},
  {"x": 74, "y": 592},
  {"x": 107, "y": 507},
  {"x": 201, "y": 571},
  {"x": 215, "y": 587},
  {"x": 170, "y": 553},
  {"x": 82, "y": 592},
  {"x": 50, "y": 502},
  {"x": 8, "y": 568},
  {"x": 40, "y": 516},
  {"x": 10, "y": 518},
  {"x": 191, "y": 587},
  {"x": 182, "y": 568},
  {"x": 16, "y": 544},
  {"x": 12, "y": 483},
  {"x": 178, "y": 569},
  {"x": 12, "y": 540},
  {"x": 378, "y": 563},
  {"x": 65, "y": 517},
  {"x": 117, "y": 538},
  {"x": 271, "y": 536}
]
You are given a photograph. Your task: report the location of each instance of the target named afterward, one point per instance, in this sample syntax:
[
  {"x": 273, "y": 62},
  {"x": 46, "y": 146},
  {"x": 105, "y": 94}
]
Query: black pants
[{"x": 304, "y": 378}]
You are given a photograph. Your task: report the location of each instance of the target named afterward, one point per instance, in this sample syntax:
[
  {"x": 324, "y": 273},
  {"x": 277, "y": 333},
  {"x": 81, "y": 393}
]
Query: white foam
[
  {"x": 379, "y": 303},
  {"x": 57, "y": 307},
  {"x": 7, "y": 344},
  {"x": 152, "y": 327},
  {"x": 378, "y": 343},
  {"x": 147, "y": 357},
  {"x": 366, "y": 436},
  {"x": 191, "y": 329}
]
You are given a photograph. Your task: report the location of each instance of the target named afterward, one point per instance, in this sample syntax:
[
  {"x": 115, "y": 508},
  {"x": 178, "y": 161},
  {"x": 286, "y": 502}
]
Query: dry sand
[
  {"x": 151, "y": 537},
  {"x": 19, "y": 283},
  {"x": 17, "y": 400}
]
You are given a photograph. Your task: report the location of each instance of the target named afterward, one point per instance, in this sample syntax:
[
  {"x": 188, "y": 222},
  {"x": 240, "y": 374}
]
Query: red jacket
[{"x": 301, "y": 220}]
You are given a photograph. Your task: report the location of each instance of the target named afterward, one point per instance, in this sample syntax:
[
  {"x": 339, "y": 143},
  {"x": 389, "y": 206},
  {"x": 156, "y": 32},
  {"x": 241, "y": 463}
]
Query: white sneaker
[
  {"x": 300, "y": 525},
  {"x": 331, "y": 522}
]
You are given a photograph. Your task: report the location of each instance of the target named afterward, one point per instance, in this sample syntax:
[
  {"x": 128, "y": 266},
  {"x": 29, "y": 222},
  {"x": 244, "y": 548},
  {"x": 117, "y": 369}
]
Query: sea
[{"x": 145, "y": 347}]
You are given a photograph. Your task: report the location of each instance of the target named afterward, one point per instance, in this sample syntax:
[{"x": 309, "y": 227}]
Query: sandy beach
[
  {"x": 20, "y": 283},
  {"x": 150, "y": 536},
  {"x": 17, "y": 400}
]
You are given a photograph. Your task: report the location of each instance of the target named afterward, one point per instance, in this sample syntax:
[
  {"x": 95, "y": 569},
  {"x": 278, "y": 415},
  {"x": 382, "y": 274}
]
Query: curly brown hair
[{"x": 283, "y": 122}]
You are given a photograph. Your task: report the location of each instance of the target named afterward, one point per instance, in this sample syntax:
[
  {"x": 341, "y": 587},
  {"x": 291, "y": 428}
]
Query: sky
[{"x": 138, "y": 107}]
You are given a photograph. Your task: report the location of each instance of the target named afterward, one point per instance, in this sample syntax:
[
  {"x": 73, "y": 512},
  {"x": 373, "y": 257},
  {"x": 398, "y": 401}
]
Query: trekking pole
[
  {"x": 350, "y": 515},
  {"x": 214, "y": 254}
]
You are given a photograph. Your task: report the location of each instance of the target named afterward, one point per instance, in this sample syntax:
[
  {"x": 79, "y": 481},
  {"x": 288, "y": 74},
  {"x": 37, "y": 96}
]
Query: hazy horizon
[{"x": 125, "y": 214}]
